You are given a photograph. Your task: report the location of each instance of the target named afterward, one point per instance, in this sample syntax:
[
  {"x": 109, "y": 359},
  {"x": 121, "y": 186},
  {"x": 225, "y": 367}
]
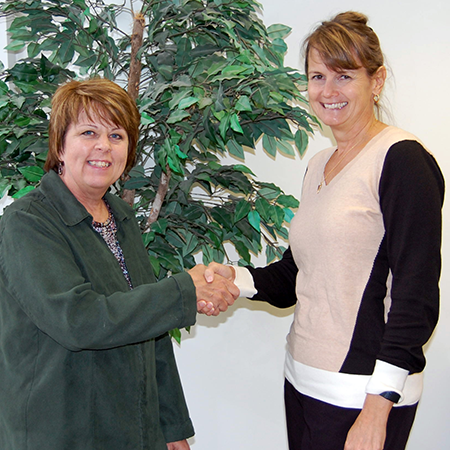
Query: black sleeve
[
  {"x": 411, "y": 196},
  {"x": 275, "y": 283}
]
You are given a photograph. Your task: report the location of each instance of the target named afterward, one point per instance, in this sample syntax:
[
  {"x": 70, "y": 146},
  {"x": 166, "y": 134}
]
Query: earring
[
  {"x": 376, "y": 98},
  {"x": 60, "y": 168}
]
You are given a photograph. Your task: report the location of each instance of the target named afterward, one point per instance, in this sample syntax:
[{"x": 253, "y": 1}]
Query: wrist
[{"x": 392, "y": 396}]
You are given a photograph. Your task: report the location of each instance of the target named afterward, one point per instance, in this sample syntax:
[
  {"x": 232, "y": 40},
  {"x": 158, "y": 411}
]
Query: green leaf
[
  {"x": 285, "y": 148},
  {"x": 155, "y": 265},
  {"x": 242, "y": 209},
  {"x": 176, "y": 334},
  {"x": 15, "y": 46},
  {"x": 270, "y": 145},
  {"x": 24, "y": 72},
  {"x": 243, "y": 251},
  {"x": 223, "y": 126},
  {"x": 32, "y": 173},
  {"x": 243, "y": 104},
  {"x": 191, "y": 244},
  {"x": 288, "y": 215},
  {"x": 270, "y": 254},
  {"x": 175, "y": 165},
  {"x": 222, "y": 217},
  {"x": 279, "y": 46},
  {"x": 230, "y": 72},
  {"x": 235, "y": 125},
  {"x": 208, "y": 255},
  {"x": 255, "y": 220},
  {"x": 277, "y": 215},
  {"x": 187, "y": 102},
  {"x": 160, "y": 226},
  {"x": 22, "y": 121},
  {"x": 301, "y": 141},
  {"x": 4, "y": 189},
  {"x": 235, "y": 149},
  {"x": 269, "y": 191},
  {"x": 136, "y": 183},
  {"x": 204, "y": 102},
  {"x": 23, "y": 191},
  {"x": 278, "y": 31},
  {"x": 288, "y": 200},
  {"x": 243, "y": 169},
  {"x": 178, "y": 116},
  {"x": 264, "y": 208},
  {"x": 146, "y": 119}
]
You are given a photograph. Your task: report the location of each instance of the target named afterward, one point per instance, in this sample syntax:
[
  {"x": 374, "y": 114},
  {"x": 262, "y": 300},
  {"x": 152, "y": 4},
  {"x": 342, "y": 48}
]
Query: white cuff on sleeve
[
  {"x": 244, "y": 281},
  {"x": 387, "y": 377}
]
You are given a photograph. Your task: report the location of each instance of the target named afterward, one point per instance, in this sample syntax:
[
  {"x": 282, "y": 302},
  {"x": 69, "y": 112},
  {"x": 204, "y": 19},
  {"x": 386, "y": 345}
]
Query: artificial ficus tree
[{"x": 208, "y": 78}]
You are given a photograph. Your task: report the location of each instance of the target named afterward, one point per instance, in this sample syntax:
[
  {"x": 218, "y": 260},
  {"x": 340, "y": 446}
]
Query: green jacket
[{"x": 85, "y": 363}]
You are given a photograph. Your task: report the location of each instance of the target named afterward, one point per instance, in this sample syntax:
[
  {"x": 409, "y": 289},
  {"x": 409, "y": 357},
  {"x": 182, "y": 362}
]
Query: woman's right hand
[
  {"x": 213, "y": 268},
  {"x": 214, "y": 293}
]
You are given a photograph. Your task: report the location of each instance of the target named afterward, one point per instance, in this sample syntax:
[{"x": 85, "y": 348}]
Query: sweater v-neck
[{"x": 351, "y": 163}]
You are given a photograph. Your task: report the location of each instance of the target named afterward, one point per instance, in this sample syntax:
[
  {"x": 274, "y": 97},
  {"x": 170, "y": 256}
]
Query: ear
[{"x": 379, "y": 78}]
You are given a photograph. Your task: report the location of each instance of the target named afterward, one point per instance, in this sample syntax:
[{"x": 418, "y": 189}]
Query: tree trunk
[{"x": 134, "y": 79}]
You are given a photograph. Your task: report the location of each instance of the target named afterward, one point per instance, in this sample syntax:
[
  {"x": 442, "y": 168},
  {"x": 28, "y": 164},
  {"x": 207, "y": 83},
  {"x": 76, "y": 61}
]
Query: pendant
[{"x": 319, "y": 187}]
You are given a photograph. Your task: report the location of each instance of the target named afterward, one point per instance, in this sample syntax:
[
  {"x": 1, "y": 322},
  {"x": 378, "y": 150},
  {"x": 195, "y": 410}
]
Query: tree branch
[{"x": 159, "y": 199}]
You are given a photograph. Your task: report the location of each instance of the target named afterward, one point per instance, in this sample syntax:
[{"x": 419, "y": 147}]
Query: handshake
[{"x": 214, "y": 287}]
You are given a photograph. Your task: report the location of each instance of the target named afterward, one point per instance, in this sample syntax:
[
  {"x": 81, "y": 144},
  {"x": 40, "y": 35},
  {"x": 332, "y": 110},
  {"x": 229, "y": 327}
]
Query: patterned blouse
[{"x": 108, "y": 231}]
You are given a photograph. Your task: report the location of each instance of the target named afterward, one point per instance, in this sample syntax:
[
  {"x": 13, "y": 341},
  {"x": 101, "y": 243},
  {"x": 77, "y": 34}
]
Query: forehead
[
  {"x": 95, "y": 117},
  {"x": 333, "y": 63}
]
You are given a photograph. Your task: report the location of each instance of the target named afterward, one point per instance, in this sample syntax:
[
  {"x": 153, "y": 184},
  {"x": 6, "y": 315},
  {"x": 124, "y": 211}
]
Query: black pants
[{"x": 315, "y": 425}]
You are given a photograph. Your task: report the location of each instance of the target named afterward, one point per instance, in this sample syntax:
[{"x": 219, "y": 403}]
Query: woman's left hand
[
  {"x": 369, "y": 430},
  {"x": 178, "y": 445}
]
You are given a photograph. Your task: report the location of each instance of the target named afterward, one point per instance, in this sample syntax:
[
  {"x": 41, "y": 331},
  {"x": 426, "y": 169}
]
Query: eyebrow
[{"x": 93, "y": 125}]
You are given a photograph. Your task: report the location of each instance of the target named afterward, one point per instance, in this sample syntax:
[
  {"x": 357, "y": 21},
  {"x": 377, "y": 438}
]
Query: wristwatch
[{"x": 391, "y": 396}]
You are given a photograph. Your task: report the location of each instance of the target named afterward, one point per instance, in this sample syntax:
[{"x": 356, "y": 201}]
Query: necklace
[{"x": 324, "y": 177}]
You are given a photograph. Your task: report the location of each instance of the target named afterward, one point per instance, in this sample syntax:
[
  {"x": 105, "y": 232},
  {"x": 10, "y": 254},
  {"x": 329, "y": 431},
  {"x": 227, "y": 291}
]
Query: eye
[
  {"x": 344, "y": 76},
  {"x": 117, "y": 136},
  {"x": 88, "y": 133},
  {"x": 316, "y": 77}
]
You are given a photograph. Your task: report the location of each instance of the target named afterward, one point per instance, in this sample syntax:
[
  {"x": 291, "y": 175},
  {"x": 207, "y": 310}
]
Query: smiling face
[
  {"x": 342, "y": 100},
  {"x": 94, "y": 155}
]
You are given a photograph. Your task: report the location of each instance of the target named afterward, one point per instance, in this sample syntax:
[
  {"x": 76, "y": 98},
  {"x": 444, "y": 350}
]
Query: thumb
[{"x": 209, "y": 275}]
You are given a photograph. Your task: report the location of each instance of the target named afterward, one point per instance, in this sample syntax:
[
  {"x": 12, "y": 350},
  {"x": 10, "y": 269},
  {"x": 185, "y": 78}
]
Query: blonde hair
[
  {"x": 346, "y": 42},
  {"x": 96, "y": 97}
]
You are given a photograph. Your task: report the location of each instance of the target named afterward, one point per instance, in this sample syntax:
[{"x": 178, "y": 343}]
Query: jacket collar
[{"x": 71, "y": 211}]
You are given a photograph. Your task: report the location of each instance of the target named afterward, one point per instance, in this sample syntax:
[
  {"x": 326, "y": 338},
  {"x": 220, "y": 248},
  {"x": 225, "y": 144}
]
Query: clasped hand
[{"x": 214, "y": 288}]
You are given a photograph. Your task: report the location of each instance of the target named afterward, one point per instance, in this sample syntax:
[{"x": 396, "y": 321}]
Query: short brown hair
[
  {"x": 99, "y": 97},
  {"x": 346, "y": 42}
]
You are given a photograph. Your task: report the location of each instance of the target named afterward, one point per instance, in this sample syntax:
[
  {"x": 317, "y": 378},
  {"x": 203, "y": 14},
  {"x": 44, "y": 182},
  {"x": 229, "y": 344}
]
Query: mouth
[
  {"x": 100, "y": 164},
  {"x": 333, "y": 106}
]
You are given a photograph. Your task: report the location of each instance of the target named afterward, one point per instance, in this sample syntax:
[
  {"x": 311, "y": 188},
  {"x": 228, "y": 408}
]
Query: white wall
[{"x": 232, "y": 366}]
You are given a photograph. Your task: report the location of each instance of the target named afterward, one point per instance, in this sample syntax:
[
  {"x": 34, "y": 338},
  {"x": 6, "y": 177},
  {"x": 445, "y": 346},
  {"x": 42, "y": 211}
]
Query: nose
[
  {"x": 329, "y": 88},
  {"x": 103, "y": 144}
]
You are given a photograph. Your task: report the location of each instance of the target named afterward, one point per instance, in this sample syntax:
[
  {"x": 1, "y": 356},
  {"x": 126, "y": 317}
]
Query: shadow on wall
[{"x": 241, "y": 303}]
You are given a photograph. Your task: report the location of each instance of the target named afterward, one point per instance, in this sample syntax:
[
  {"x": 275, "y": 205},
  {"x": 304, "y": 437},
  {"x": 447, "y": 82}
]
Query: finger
[
  {"x": 209, "y": 274},
  {"x": 233, "y": 290},
  {"x": 200, "y": 305},
  {"x": 205, "y": 307}
]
